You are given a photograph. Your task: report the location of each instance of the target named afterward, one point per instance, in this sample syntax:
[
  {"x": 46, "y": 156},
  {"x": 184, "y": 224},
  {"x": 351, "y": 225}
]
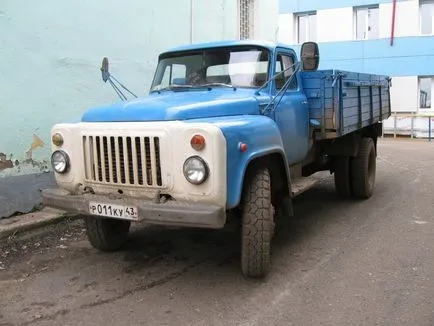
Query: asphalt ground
[{"x": 337, "y": 262}]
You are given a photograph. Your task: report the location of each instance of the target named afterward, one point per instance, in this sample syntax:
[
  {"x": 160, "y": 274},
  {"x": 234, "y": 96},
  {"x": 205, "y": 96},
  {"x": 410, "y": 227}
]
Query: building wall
[
  {"x": 51, "y": 54},
  {"x": 410, "y": 56}
]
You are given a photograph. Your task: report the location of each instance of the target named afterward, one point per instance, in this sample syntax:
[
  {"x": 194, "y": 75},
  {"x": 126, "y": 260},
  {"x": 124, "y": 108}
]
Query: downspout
[
  {"x": 191, "y": 21},
  {"x": 392, "y": 35}
]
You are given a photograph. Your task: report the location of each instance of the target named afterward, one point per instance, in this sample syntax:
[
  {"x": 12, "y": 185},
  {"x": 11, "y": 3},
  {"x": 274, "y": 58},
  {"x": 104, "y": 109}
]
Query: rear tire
[
  {"x": 257, "y": 224},
  {"x": 106, "y": 234},
  {"x": 342, "y": 174},
  {"x": 363, "y": 169}
]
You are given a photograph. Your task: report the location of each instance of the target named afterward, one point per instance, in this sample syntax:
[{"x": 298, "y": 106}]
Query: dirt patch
[{"x": 16, "y": 250}]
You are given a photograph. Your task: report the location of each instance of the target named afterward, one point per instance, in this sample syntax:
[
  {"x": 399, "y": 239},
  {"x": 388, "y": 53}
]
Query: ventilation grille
[
  {"x": 246, "y": 19},
  {"x": 123, "y": 160}
]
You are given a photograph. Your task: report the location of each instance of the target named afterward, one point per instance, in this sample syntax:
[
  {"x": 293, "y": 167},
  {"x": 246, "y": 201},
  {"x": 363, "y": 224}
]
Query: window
[
  {"x": 174, "y": 74},
  {"x": 245, "y": 66},
  {"x": 284, "y": 62},
  {"x": 306, "y": 27},
  {"x": 246, "y": 18},
  {"x": 427, "y": 17},
  {"x": 426, "y": 87},
  {"x": 367, "y": 22}
]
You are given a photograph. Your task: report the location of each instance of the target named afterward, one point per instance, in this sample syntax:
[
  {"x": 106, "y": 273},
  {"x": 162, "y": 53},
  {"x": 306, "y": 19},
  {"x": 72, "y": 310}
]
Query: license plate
[{"x": 115, "y": 211}]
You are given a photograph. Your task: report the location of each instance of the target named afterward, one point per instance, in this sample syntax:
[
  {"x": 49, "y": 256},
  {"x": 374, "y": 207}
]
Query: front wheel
[
  {"x": 106, "y": 234},
  {"x": 257, "y": 224},
  {"x": 363, "y": 169}
]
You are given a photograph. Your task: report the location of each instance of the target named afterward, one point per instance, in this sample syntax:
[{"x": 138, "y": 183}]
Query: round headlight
[
  {"x": 195, "y": 170},
  {"x": 60, "y": 161}
]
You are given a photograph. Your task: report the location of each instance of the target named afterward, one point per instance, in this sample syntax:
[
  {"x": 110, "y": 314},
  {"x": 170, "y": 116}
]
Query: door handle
[{"x": 303, "y": 102}]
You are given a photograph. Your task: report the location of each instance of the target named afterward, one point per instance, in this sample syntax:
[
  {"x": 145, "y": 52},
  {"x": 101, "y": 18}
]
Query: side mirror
[
  {"x": 310, "y": 56},
  {"x": 105, "y": 74}
]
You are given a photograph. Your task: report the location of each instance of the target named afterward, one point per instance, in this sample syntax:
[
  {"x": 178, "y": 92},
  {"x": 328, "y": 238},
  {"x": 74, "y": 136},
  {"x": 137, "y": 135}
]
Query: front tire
[
  {"x": 106, "y": 234},
  {"x": 363, "y": 169},
  {"x": 257, "y": 224}
]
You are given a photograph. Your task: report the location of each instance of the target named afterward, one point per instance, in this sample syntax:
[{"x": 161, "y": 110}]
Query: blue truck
[{"x": 229, "y": 132}]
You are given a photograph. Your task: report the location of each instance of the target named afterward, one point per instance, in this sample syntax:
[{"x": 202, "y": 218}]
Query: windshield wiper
[
  {"x": 180, "y": 86},
  {"x": 217, "y": 84},
  {"x": 170, "y": 87}
]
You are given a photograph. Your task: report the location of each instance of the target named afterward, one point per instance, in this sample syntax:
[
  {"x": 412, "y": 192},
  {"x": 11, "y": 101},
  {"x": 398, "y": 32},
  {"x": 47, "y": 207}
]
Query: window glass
[
  {"x": 427, "y": 17},
  {"x": 173, "y": 74},
  {"x": 237, "y": 66},
  {"x": 306, "y": 27},
  {"x": 426, "y": 86},
  {"x": 284, "y": 62},
  {"x": 367, "y": 23}
]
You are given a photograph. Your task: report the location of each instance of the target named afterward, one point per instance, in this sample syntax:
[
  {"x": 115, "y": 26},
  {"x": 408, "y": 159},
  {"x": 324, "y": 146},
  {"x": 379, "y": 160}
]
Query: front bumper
[{"x": 171, "y": 213}]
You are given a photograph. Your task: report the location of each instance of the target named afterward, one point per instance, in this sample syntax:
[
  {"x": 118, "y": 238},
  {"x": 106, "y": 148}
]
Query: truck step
[{"x": 300, "y": 185}]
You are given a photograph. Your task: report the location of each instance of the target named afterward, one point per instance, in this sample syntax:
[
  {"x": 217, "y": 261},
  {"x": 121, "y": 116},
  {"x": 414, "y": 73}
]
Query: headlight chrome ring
[
  {"x": 195, "y": 170},
  {"x": 60, "y": 161}
]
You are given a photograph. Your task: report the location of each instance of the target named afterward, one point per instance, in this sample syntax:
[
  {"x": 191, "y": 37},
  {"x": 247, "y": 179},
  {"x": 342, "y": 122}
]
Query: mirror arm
[
  {"x": 123, "y": 86},
  {"x": 106, "y": 76},
  {"x": 117, "y": 90}
]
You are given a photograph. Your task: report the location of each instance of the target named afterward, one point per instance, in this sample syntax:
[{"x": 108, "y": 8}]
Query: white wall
[
  {"x": 286, "y": 29},
  {"x": 338, "y": 24},
  {"x": 404, "y": 94},
  {"x": 335, "y": 24},
  {"x": 266, "y": 19},
  {"x": 407, "y": 13},
  {"x": 213, "y": 20}
]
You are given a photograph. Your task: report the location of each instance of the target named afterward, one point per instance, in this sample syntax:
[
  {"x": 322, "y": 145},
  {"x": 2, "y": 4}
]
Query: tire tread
[
  {"x": 258, "y": 224},
  {"x": 360, "y": 169}
]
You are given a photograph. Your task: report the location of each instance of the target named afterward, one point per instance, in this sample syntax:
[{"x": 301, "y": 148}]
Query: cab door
[{"x": 292, "y": 113}]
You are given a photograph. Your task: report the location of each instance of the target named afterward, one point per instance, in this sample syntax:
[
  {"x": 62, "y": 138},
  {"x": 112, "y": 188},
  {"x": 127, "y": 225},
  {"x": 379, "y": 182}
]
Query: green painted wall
[{"x": 50, "y": 54}]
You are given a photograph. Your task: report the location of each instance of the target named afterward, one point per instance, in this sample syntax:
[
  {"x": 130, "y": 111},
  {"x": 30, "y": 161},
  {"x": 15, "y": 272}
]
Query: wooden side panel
[
  {"x": 321, "y": 97},
  {"x": 365, "y": 101},
  {"x": 346, "y": 101}
]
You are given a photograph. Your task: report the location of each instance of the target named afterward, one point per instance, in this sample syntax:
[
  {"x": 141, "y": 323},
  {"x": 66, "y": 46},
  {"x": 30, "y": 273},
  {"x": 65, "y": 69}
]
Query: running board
[{"x": 302, "y": 184}]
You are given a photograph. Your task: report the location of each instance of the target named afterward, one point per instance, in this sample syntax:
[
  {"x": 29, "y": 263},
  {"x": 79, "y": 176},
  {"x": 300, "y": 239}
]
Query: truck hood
[{"x": 177, "y": 106}]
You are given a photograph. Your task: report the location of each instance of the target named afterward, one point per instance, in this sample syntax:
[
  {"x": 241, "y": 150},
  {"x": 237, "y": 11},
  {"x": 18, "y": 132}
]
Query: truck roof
[{"x": 208, "y": 45}]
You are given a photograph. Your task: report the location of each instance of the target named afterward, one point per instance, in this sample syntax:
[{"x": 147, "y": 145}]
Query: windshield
[{"x": 237, "y": 67}]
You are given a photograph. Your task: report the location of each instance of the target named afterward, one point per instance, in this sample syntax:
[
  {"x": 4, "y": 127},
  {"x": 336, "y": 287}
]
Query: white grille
[
  {"x": 123, "y": 160},
  {"x": 246, "y": 18}
]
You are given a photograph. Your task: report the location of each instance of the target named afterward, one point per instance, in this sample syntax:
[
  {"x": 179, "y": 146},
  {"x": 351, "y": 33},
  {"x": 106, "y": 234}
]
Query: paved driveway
[{"x": 336, "y": 263}]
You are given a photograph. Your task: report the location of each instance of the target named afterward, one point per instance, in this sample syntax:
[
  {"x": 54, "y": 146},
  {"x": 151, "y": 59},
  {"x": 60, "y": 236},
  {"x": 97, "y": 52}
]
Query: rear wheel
[
  {"x": 363, "y": 169},
  {"x": 257, "y": 224},
  {"x": 106, "y": 234},
  {"x": 342, "y": 174}
]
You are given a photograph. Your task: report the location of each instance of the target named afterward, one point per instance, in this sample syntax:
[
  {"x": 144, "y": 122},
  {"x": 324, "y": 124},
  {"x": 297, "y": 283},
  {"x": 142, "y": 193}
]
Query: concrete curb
[{"x": 26, "y": 222}]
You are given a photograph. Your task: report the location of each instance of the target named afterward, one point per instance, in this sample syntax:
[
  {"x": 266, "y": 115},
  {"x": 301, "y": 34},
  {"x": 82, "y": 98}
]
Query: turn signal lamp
[
  {"x": 57, "y": 139},
  {"x": 197, "y": 142}
]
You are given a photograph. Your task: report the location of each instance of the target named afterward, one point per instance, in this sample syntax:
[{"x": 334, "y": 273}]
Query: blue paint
[
  {"x": 429, "y": 128},
  {"x": 284, "y": 130},
  {"x": 168, "y": 105},
  {"x": 292, "y": 117},
  {"x": 208, "y": 45},
  {"x": 262, "y": 136},
  {"x": 409, "y": 56},
  {"x": 295, "y": 6},
  {"x": 360, "y": 99}
]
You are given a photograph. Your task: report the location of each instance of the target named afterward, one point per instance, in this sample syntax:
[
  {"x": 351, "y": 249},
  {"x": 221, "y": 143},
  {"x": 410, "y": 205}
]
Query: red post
[{"x": 392, "y": 36}]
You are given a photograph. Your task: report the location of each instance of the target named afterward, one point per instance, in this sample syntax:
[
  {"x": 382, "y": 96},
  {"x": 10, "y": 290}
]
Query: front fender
[{"x": 262, "y": 137}]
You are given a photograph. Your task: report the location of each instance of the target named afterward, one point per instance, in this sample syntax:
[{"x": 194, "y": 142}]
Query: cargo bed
[{"x": 344, "y": 101}]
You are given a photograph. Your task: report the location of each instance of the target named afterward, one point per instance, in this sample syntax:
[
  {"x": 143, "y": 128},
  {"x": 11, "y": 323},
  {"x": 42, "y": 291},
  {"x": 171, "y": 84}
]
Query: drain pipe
[
  {"x": 392, "y": 35},
  {"x": 191, "y": 21}
]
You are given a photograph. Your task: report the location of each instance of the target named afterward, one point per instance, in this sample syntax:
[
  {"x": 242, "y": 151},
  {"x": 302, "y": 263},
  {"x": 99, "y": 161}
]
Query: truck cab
[{"x": 227, "y": 132}]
